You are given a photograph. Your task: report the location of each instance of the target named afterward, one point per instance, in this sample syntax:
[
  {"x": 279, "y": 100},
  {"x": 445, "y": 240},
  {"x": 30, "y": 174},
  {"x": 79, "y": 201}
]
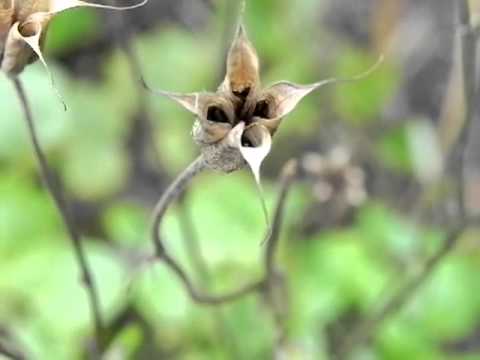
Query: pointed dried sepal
[
  {"x": 255, "y": 145},
  {"x": 242, "y": 66},
  {"x": 23, "y": 43},
  {"x": 214, "y": 113},
  {"x": 189, "y": 101},
  {"x": 286, "y": 96}
]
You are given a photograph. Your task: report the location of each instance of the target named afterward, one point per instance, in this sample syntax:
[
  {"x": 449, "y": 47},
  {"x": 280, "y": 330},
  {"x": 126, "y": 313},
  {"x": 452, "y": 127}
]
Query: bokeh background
[{"x": 371, "y": 204}]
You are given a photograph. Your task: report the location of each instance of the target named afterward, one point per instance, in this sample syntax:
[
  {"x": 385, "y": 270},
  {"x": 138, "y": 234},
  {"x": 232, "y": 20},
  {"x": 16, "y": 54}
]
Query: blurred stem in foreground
[
  {"x": 367, "y": 329},
  {"x": 10, "y": 353},
  {"x": 468, "y": 44},
  {"x": 62, "y": 207}
]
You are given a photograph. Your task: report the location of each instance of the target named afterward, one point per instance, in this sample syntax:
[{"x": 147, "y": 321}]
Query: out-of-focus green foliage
[
  {"x": 72, "y": 29},
  {"x": 331, "y": 274}
]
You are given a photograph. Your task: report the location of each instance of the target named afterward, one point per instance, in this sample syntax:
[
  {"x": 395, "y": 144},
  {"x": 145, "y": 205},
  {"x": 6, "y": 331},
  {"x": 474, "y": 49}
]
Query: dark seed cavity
[
  {"x": 216, "y": 114},
  {"x": 246, "y": 142},
  {"x": 242, "y": 94},
  {"x": 262, "y": 109}
]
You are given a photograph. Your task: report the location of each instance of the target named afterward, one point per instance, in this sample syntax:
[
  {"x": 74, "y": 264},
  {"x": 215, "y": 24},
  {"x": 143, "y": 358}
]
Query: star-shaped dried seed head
[
  {"x": 235, "y": 124},
  {"x": 23, "y": 27}
]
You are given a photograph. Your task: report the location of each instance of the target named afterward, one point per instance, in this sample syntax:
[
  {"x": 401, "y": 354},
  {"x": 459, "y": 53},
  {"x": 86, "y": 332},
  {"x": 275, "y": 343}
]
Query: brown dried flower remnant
[
  {"x": 338, "y": 188},
  {"x": 336, "y": 175},
  {"x": 23, "y": 28},
  {"x": 235, "y": 124}
]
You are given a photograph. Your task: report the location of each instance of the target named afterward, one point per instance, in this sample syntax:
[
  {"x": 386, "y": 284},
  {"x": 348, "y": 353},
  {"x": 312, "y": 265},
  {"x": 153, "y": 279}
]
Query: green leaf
[
  {"x": 127, "y": 224},
  {"x": 26, "y": 213},
  {"x": 72, "y": 29},
  {"x": 42, "y": 294},
  {"x": 394, "y": 151},
  {"x": 448, "y": 306},
  {"x": 94, "y": 171},
  {"x": 405, "y": 340}
]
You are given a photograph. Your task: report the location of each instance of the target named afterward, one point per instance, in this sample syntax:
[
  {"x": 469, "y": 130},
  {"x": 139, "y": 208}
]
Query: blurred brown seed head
[
  {"x": 336, "y": 177},
  {"x": 23, "y": 28}
]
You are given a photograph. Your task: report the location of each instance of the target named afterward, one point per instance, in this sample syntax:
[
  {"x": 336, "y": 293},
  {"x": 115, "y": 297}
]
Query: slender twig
[
  {"x": 275, "y": 286},
  {"x": 170, "y": 194},
  {"x": 367, "y": 329},
  {"x": 207, "y": 299},
  {"x": 288, "y": 176},
  {"x": 10, "y": 353},
  {"x": 468, "y": 44},
  {"x": 62, "y": 207}
]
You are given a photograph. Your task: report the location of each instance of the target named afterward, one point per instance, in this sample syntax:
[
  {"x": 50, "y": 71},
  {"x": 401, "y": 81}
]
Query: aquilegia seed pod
[
  {"x": 235, "y": 124},
  {"x": 23, "y": 28}
]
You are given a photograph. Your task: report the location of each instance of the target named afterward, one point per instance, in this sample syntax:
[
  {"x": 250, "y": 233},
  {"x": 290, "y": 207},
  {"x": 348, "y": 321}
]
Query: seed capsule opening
[{"x": 216, "y": 114}]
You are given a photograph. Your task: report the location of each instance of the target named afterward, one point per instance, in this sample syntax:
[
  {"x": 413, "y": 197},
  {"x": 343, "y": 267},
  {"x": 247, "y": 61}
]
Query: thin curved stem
[
  {"x": 289, "y": 173},
  {"x": 207, "y": 299},
  {"x": 11, "y": 353},
  {"x": 468, "y": 44},
  {"x": 400, "y": 299},
  {"x": 172, "y": 193},
  {"x": 62, "y": 207},
  {"x": 275, "y": 284}
]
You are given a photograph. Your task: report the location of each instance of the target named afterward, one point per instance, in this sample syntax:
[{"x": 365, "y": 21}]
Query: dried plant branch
[
  {"x": 367, "y": 329},
  {"x": 9, "y": 353},
  {"x": 62, "y": 207},
  {"x": 275, "y": 285},
  {"x": 173, "y": 192},
  {"x": 468, "y": 44},
  {"x": 289, "y": 173},
  {"x": 207, "y": 299}
]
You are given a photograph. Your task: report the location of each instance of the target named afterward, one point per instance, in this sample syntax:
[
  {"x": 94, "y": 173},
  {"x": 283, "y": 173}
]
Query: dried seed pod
[
  {"x": 235, "y": 125},
  {"x": 23, "y": 27}
]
